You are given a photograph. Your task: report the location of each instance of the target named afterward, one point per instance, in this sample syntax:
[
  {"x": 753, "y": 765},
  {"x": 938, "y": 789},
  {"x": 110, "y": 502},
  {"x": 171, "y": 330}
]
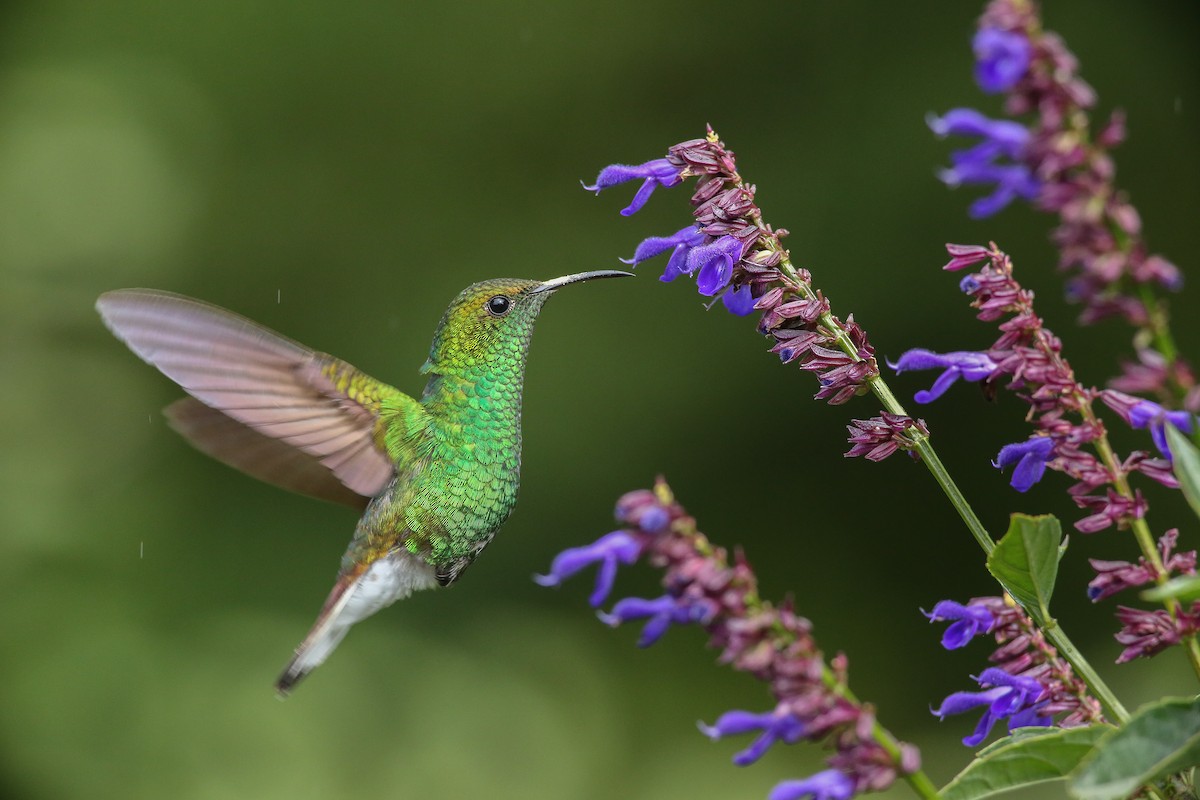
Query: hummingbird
[{"x": 434, "y": 478}]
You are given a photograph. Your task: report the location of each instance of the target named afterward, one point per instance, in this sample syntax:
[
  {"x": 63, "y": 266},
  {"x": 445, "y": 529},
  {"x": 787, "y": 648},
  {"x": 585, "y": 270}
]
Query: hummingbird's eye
[{"x": 499, "y": 305}]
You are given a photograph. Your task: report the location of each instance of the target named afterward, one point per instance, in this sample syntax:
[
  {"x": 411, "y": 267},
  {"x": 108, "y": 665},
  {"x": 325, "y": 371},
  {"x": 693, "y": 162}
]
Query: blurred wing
[
  {"x": 245, "y": 449},
  {"x": 316, "y": 404}
]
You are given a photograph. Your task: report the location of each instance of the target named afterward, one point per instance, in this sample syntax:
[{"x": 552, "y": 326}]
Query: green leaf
[
  {"x": 1028, "y": 757},
  {"x": 1025, "y": 561},
  {"x": 1183, "y": 588},
  {"x": 1160, "y": 739},
  {"x": 1187, "y": 466}
]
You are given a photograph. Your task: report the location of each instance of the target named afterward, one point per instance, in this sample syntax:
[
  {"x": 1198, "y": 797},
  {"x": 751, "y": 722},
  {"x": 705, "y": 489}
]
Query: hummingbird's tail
[{"x": 358, "y": 594}]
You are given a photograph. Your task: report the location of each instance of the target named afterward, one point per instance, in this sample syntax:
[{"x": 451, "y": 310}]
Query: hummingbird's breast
[{"x": 466, "y": 486}]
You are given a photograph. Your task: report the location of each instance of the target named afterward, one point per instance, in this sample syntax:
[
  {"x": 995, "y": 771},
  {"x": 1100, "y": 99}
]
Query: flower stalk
[
  {"x": 704, "y": 587},
  {"x": 799, "y": 317},
  {"x": 1057, "y": 163},
  {"x": 1029, "y": 356}
]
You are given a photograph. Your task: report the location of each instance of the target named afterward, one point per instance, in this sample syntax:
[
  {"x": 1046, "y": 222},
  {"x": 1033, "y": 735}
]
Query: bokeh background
[{"x": 339, "y": 171}]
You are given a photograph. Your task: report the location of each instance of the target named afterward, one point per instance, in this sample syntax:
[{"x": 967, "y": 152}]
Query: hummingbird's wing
[
  {"x": 268, "y": 405},
  {"x": 222, "y": 437}
]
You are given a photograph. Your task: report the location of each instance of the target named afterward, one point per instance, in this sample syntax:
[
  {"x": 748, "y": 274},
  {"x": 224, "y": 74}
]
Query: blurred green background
[{"x": 339, "y": 171}]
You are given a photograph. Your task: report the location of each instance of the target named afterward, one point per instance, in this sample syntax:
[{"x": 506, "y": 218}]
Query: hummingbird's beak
[{"x": 558, "y": 283}]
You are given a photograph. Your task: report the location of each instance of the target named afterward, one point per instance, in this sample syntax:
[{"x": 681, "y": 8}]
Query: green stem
[
  {"x": 1067, "y": 649},
  {"x": 1159, "y": 328}
]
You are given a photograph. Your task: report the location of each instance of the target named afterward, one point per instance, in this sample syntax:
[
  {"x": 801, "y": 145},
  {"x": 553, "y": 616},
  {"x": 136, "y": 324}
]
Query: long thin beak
[{"x": 558, "y": 283}]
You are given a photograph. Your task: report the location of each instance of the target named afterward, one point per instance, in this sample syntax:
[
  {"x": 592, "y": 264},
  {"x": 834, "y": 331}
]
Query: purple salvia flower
[
  {"x": 643, "y": 509},
  {"x": 877, "y": 438},
  {"x": 679, "y": 243},
  {"x": 713, "y": 263},
  {"x": 1011, "y": 182},
  {"x": 1147, "y": 414},
  {"x": 776, "y": 726},
  {"x": 707, "y": 587},
  {"x": 1147, "y": 633},
  {"x": 1022, "y": 651},
  {"x": 965, "y": 255},
  {"x": 618, "y": 547},
  {"x": 1001, "y": 59},
  {"x": 658, "y": 172},
  {"x": 831, "y": 784},
  {"x": 661, "y": 613},
  {"x": 1116, "y": 576},
  {"x": 1111, "y": 509},
  {"x": 1153, "y": 374},
  {"x": 742, "y": 261},
  {"x": 998, "y": 137},
  {"x": 1139, "y": 413},
  {"x": 1111, "y": 271},
  {"x": 1030, "y": 457},
  {"x": 969, "y": 622},
  {"x": 963, "y": 364},
  {"x": 1005, "y": 696},
  {"x": 738, "y": 300},
  {"x": 979, "y": 165},
  {"x": 1060, "y": 407}
]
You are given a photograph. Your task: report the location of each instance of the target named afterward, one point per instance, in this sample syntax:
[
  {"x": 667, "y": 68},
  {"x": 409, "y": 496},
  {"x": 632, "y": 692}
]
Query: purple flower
[
  {"x": 1030, "y": 456},
  {"x": 738, "y": 300},
  {"x": 679, "y": 243},
  {"x": 978, "y": 164},
  {"x": 998, "y": 137},
  {"x": 1116, "y": 576},
  {"x": 1147, "y": 414},
  {"x": 878, "y": 437},
  {"x": 775, "y": 725},
  {"x": 965, "y": 255},
  {"x": 1009, "y": 696},
  {"x": 970, "y": 621},
  {"x": 608, "y": 551},
  {"x": 643, "y": 509},
  {"x": 715, "y": 262},
  {"x": 661, "y": 612},
  {"x": 657, "y": 172},
  {"x": 964, "y": 364},
  {"x": 828, "y": 785},
  {"x": 1001, "y": 59},
  {"x": 1148, "y": 633}
]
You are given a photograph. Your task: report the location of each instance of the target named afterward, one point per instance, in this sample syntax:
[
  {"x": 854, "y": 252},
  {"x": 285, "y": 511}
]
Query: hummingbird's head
[{"x": 491, "y": 322}]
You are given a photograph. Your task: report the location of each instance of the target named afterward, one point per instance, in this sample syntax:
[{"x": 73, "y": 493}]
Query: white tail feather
[{"x": 353, "y": 599}]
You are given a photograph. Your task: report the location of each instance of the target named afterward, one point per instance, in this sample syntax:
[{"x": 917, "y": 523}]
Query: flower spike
[{"x": 703, "y": 586}]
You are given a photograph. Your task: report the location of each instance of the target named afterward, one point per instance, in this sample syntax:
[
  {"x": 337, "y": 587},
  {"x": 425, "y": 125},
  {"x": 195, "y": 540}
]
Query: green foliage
[
  {"x": 1187, "y": 466},
  {"x": 1162, "y": 738},
  {"x": 1025, "y": 561},
  {"x": 1183, "y": 588},
  {"x": 1026, "y": 758}
]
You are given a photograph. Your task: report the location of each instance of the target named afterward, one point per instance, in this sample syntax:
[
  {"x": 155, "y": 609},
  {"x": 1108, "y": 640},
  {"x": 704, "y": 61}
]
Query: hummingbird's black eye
[{"x": 499, "y": 305}]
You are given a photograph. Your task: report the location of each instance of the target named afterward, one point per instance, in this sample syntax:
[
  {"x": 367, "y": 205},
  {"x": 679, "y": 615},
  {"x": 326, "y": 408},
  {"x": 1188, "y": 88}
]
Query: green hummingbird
[{"x": 434, "y": 478}]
